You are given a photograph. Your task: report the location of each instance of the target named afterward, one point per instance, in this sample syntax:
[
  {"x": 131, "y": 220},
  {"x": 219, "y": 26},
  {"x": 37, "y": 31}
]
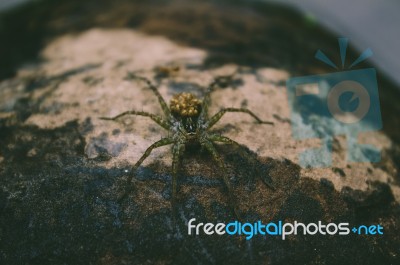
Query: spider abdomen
[{"x": 184, "y": 105}]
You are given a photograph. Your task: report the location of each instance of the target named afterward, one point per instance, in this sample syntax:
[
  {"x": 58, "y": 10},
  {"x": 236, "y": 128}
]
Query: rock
[{"x": 62, "y": 169}]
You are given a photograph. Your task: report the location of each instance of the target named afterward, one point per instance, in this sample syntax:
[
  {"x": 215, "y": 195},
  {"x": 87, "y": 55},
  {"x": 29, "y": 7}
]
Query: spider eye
[{"x": 190, "y": 125}]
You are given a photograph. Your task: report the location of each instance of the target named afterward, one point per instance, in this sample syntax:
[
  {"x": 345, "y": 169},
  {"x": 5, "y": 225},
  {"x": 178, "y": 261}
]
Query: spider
[{"x": 187, "y": 121}]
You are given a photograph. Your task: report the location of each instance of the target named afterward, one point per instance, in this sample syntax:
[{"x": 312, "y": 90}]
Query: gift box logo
[{"x": 340, "y": 103}]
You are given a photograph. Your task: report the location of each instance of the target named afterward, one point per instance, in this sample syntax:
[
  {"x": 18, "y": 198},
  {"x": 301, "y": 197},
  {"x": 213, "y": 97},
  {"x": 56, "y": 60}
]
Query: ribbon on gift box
[{"x": 343, "y": 43}]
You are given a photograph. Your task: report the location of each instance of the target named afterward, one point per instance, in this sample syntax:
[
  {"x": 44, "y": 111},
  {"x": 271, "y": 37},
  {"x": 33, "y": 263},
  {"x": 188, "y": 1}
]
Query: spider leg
[
  {"x": 160, "y": 121},
  {"x": 227, "y": 140},
  {"x": 210, "y": 147},
  {"x": 177, "y": 151},
  {"x": 214, "y": 119},
  {"x": 162, "y": 142},
  {"x": 218, "y": 81},
  {"x": 161, "y": 100},
  {"x": 207, "y": 100},
  {"x": 222, "y": 139}
]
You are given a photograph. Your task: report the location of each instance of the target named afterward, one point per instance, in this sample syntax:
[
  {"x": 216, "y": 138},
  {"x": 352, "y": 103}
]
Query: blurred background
[{"x": 368, "y": 24}]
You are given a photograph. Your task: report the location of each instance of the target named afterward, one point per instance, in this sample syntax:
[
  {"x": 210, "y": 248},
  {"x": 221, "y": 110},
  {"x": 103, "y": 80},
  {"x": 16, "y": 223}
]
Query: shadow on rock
[{"x": 57, "y": 207}]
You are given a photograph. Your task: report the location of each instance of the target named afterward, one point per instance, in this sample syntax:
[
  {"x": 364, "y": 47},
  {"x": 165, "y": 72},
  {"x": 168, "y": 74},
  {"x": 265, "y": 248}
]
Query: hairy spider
[{"x": 187, "y": 121}]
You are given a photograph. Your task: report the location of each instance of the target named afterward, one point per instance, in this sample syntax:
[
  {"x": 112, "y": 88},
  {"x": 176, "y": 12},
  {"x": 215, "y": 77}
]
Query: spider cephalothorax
[{"x": 187, "y": 121}]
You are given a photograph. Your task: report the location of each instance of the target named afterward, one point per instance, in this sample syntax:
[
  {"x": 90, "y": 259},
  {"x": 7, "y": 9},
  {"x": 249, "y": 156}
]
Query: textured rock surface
[{"x": 62, "y": 168}]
